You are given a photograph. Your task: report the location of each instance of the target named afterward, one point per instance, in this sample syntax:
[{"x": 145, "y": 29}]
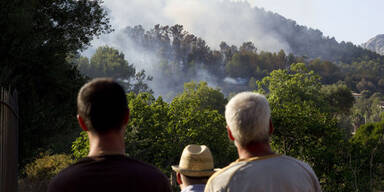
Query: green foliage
[
  {"x": 241, "y": 64},
  {"x": 35, "y": 39},
  {"x": 367, "y": 109},
  {"x": 80, "y": 147},
  {"x": 42, "y": 170},
  {"x": 367, "y": 158},
  {"x": 308, "y": 125},
  {"x": 329, "y": 72},
  {"x": 145, "y": 131},
  {"x": 195, "y": 113},
  {"x": 247, "y": 63},
  {"x": 365, "y": 75},
  {"x": 339, "y": 97},
  {"x": 110, "y": 62},
  {"x": 296, "y": 85},
  {"x": 200, "y": 96},
  {"x": 302, "y": 131},
  {"x": 47, "y": 166},
  {"x": 303, "y": 127}
]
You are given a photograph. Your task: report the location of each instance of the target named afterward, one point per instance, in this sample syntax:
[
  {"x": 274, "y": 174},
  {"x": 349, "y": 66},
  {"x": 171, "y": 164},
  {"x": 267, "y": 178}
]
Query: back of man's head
[
  {"x": 102, "y": 104},
  {"x": 248, "y": 116},
  {"x": 187, "y": 180}
]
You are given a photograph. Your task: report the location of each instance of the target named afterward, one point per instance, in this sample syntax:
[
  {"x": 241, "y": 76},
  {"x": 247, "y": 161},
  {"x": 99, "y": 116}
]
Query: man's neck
[
  {"x": 254, "y": 150},
  {"x": 111, "y": 143},
  {"x": 193, "y": 186}
]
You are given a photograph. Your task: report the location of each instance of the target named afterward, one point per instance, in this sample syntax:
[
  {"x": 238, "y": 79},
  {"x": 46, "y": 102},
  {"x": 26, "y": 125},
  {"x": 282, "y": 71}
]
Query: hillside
[
  {"x": 312, "y": 43},
  {"x": 172, "y": 55},
  {"x": 375, "y": 44}
]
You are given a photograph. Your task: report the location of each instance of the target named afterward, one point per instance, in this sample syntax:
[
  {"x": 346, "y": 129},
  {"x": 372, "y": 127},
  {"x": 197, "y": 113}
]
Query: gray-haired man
[{"x": 258, "y": 168}]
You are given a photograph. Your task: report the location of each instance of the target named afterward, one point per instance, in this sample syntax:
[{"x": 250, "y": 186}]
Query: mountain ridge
[
  {"x": 375, "y": 44},
  {"x": 312, "y": 43}
]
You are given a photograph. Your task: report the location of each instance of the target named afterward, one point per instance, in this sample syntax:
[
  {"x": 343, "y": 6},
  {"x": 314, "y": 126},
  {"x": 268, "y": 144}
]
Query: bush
[{"x": 39, "y": 172}]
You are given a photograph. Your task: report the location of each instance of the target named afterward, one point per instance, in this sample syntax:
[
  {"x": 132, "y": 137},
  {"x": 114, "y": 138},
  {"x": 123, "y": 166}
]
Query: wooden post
[{"x": 9, "y": 124}]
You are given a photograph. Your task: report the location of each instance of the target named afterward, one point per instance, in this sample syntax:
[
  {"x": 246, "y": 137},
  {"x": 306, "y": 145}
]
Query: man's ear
[
  {"x": 178, "y": 178},
  {"x": 82, "y": 123},
  {"x": 230, "y": 134},
  {"x": 126, "y": 118},
  {"x": 271, "y": 128}
]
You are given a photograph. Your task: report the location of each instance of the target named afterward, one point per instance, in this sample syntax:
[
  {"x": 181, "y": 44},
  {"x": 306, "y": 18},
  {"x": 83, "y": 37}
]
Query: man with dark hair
[{"x": 103, "y": 113}]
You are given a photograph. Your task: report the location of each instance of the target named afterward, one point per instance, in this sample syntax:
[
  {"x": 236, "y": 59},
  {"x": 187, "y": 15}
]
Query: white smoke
[
  {"x": 237, "y": 81},
  {"x": 214, "y": 21}
]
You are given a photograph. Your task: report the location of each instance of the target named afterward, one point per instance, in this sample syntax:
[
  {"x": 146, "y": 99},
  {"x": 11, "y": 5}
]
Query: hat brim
[{"x": 194, "y": 173}]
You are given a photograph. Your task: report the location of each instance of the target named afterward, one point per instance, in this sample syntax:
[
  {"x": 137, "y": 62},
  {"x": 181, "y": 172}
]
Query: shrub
[{"x": 39, "y": 172}]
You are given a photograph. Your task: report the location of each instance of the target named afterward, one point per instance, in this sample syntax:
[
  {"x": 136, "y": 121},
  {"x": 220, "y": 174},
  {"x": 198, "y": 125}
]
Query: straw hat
[{"x": 195, "y": 161}]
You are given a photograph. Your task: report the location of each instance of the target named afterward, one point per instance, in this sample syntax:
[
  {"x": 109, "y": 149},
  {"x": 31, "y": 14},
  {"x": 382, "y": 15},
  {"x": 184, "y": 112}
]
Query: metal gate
[{"x": 9, "y": 125}]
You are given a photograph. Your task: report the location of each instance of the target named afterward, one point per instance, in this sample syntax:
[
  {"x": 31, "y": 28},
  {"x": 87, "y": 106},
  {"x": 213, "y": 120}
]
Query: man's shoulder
[
  {"x": 230, "y": 170},
  {"x": 280, "y": 165},
  {"x": 146, "y": 168},
  {"x": 260, "y": 170},
  {"x": 291, "y": 161},
  {"x": 130, "y": 162},
  {"x": 223, "y": 176},
  {"x": 108, "y": 169},
  {"x": 109, "y": 163}
]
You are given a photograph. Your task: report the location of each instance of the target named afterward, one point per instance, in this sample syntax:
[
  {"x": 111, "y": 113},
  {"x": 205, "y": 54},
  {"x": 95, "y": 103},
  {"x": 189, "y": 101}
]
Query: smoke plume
[{"x": 214, "y": 21}]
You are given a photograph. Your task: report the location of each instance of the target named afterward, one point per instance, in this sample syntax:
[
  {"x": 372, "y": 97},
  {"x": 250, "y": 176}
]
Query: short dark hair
[
  {"x": 194, "y": 180},
  {"x": 102, "y": 104}
]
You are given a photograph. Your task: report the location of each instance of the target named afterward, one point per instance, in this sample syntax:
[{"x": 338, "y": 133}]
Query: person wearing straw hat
[
  {"x": 258, "y": 168},
  {"x": 195, "y": 167}
]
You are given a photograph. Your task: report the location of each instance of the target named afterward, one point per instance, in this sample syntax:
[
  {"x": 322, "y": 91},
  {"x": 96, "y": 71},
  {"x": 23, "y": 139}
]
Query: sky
[{"x": 346, "y": 20}]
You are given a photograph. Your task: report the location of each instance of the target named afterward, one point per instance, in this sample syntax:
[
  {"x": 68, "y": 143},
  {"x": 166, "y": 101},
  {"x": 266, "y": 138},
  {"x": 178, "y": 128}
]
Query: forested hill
[
  {"x": 308, "y": 42},
  {"x": 173, "y": 55}
]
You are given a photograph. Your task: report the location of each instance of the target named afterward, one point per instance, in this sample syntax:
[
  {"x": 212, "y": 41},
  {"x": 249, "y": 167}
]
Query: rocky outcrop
[{"x": 375, "y": 44}]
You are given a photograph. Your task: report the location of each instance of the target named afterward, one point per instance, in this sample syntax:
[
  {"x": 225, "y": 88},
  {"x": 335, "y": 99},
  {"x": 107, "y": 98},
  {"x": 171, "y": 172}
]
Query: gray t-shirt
[{"x": 267, "y": 173}]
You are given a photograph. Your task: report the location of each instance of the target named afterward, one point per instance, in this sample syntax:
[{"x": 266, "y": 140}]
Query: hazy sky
[{"x": 346, "y": 20}]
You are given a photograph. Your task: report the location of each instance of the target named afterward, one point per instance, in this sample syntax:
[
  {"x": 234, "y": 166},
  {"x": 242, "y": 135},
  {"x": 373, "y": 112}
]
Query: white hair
[{"x": 247, "y": 115}]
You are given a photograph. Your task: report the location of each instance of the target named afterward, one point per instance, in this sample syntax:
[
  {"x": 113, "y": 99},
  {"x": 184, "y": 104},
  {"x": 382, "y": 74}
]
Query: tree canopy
[
  {"x": 304, "y": 126},
  {"x": 35, "y": 40},
  {"x": 367, "y": 157},
  {"x": 110, "y": 62}
]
